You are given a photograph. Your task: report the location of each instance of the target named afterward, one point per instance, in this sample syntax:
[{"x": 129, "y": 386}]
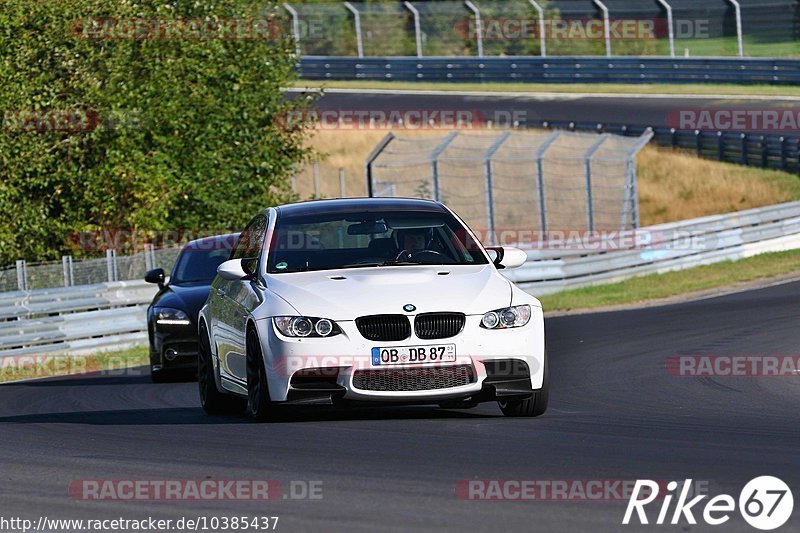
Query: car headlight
[
  {"x": 171, "y": 317},
  {"x": 509, "y": 317},
  {"x": 301, "y": 326}
]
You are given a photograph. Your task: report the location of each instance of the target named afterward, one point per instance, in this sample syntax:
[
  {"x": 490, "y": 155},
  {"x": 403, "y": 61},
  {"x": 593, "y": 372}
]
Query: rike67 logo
[{"x": 765, "y": 503}]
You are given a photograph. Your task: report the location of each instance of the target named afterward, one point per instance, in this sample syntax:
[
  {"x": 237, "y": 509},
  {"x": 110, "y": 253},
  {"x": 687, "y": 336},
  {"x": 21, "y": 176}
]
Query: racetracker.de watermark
[
  {"x": 736, "y": 120},
  {"x": 598, "y": 490},
  {"x": 382, "y": 119},
  {"x": 147, "y": 29},
  {"x": 733, "y": 366},
  {"x": 194, "y": 490}
]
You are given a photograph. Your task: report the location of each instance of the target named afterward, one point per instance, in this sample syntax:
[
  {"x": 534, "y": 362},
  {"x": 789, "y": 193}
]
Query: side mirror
[
  {"x": 507, "y": 256},
  {"x": 236, "y": 269},
  {"x": 155, "y": 276}
]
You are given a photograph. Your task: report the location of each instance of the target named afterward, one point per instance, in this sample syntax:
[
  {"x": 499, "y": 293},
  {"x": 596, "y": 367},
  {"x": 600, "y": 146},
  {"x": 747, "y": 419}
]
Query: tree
[{"x": 140, "y": 115}]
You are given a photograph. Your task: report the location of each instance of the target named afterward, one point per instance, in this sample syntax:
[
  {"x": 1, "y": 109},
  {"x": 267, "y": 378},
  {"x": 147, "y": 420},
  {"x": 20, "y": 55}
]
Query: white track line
[{"x": 546, "y": 95}]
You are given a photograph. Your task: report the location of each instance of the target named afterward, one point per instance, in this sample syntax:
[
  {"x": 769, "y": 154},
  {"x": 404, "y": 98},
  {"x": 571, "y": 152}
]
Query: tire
[
  {"x": 259, "y": 405},
  {"x": 212, "y": 400},
  {"x": 534, "y": 406}
]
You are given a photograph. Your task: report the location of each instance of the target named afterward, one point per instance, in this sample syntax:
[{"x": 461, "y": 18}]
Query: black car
[{"x": 172, "y": 315}]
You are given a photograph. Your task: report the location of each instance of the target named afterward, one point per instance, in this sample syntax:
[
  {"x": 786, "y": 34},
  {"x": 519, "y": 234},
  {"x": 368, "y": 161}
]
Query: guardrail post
[
  {"x": 588, "y": 163},
  {"x": 784, "y": 162},
  {"x": 698, "y": 142},
  {"x": 606, "y": 25},
  {"x": 542, "y": 28},
  {"x": 417, "y": 26},
  {"x": 368, "y": 175},
  {"x": 435, "y": 163},
  {"x": 357, "y": 17},
  {"x": 487, "y": 169},
  {"x": 478, "y": 27},
  {"x": 764, "y": 152},
  {"x": 670, "y": 26},
  {"x": 295, "y": 28},
  {"x": 22, "y": 275},
  {"x": 720, "y": 146},
  {"x": 540, "y": 178},
  {"x": 745, "y": 150}
]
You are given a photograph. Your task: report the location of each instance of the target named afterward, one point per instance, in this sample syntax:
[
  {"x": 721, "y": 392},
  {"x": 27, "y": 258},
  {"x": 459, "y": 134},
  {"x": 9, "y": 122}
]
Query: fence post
[
  {"x": 478, "y": 25},
  {"x": 417, "y": 28},
  {"x": 606, "y": 25},
  {"x": 720, "y": 146},
  {"x": 22, "y": 275},
  {"x": 435, "y": 162},
  {"x": 149, "y": 260},
  {"x": 316, "y": 180},
  {"x": 783, "y": 154},
  {"x": 542, "y": 28},
  {"x": 670, "y": 25},
  {"x": 738, "y": 10},
  {"x": 540, "y": 178},
  {"x": 487, "y": 169},
  {"x": 341, "y": 183},
  {"x": 66, "y": 264},
  {"x": 698, "y": 141},
  {"x": 764, "y": 152},
  {"x": 371, "y": 159},
  {"x": 588, "y": 163},
  {"x": 111, "y": 265},
  {"x": 357, "y": 20},
  {"x": 295, "y": 29}
]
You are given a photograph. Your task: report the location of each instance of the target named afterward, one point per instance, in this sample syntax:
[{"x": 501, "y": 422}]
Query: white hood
[{"x": 472, "y": 290}]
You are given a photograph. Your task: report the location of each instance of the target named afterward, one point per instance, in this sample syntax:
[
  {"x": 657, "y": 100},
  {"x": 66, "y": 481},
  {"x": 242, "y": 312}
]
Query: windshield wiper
[{"x": 393, "y": 262}]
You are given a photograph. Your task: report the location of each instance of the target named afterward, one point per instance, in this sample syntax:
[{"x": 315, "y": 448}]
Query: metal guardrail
[
  {"x": 763, "y": 150},
  {"x": 563, "y": 69},
  {"x": 74, "y": 320},
  {"x": 716, "y": 238}
]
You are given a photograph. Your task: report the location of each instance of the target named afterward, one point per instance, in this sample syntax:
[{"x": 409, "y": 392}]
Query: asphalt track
[
  {"x": 615, "y": 413},
  {"x": 532, "y": 109}
]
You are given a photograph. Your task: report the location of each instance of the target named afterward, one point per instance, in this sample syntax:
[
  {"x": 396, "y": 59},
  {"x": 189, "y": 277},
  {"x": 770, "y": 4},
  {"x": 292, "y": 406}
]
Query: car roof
[
  {"x": 326, "y": 207},
  {"x": 226, "y": 241}
]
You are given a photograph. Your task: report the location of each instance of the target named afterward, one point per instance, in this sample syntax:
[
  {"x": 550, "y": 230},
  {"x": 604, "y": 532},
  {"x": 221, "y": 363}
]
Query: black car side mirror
[{"x": 155, "y": 276}]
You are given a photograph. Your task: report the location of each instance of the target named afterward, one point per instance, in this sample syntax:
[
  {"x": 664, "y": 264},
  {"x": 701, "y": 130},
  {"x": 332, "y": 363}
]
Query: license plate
[{"x": 402, "y": 355}]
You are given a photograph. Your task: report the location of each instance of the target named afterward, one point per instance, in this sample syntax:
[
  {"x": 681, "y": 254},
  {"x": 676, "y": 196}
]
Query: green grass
[
  {"x": 594, "y": 88},
  {"x": 658, "y": 286},
  {"x": 42, "y": 366}
]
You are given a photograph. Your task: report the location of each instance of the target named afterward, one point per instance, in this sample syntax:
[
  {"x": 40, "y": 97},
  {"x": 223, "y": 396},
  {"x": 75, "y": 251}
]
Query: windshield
[
  {"x": 198, "y": 265},
  {"x": 382, "y": 238}
]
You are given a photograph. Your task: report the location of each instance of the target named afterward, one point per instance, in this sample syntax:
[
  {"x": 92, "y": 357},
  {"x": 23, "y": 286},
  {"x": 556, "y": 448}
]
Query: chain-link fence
[
  {"x": 513, "y": 180},
  {"x": 69, "y": 272},
  {"x": 762, "y": 28}
]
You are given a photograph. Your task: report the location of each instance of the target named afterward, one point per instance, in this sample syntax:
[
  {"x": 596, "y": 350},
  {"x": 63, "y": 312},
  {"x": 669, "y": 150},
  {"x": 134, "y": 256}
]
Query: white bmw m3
[{"x": 389, "y": 300}]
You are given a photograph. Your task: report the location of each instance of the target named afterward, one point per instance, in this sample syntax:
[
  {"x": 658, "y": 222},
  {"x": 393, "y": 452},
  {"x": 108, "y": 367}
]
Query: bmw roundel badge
[{"x": 409, "y": 308}]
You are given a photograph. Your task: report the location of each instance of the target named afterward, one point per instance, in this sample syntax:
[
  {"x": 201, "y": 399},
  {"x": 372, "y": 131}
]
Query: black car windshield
[
  {"x": 198, "y": 264},
  {"x": 374, "y": 239}
]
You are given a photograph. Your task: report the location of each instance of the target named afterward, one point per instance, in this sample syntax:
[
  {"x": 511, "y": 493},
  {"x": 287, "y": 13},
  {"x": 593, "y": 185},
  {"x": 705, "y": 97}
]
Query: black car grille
[
  {"x": 384, "y": 327},
  {"x": 438, "y": 325},
  {"x": 414, "y": 379}
]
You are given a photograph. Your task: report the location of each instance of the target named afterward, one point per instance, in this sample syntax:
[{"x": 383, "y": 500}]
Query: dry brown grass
[{"x": 672, "y": 185}]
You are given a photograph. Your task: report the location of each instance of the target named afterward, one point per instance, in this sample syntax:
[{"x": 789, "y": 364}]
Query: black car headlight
[
  {"x": 167, "y": 316},
  {"x": 301, "y": 326},
  {"x": 508, "y": 317}
]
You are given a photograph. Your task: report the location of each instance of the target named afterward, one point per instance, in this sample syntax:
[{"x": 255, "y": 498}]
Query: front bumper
[
  {"x": 503, "y": 364},
  {"x": 173, "y": 347}
]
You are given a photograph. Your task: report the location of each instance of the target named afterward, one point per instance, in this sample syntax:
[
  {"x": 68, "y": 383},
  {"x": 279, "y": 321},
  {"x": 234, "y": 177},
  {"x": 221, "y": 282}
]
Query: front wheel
[
  {"x": 213, "y": 401},
  {"x": 259, "y": 404},
  {"x": 534, "y": 406}
]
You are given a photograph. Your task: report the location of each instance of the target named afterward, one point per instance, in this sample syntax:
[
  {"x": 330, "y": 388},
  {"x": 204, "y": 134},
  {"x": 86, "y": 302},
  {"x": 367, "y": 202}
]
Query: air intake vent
[
  {"x": 438, "y": 325},
  {"x": 414, "y": 379},
  {"x": 384, "y": 327}
]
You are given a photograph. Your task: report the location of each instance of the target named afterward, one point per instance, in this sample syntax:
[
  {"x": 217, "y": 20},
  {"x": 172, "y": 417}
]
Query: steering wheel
[{"x": 416, "y": 255}]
